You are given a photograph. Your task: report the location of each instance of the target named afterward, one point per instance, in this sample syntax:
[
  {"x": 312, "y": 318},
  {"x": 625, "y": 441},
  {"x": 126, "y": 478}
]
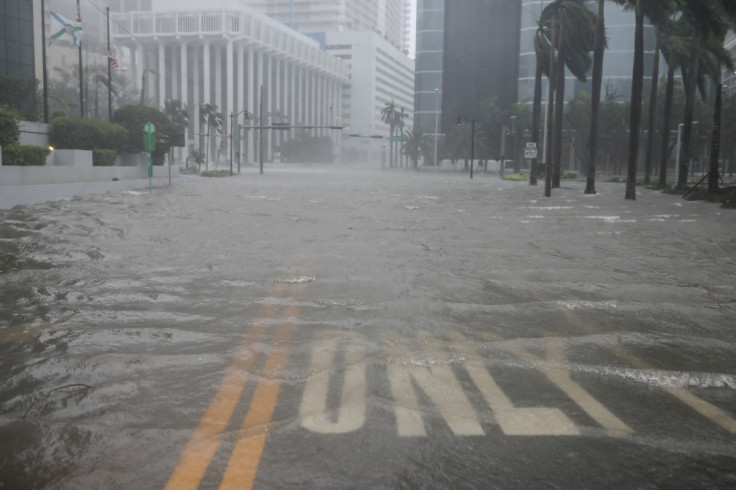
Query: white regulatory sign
[{"x": 530, "y": 153}]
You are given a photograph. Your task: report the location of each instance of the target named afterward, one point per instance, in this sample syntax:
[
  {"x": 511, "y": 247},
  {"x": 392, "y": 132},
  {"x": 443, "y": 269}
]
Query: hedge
[
  {"x": 9, "y": 127},
  {"x": 74, "y": 133},
  {"x": 25, "y": 155},
  {"x": 103, "y": 158}
]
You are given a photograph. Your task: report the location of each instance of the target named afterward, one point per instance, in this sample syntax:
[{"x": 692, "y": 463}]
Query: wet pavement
[{"x": 318, "y": 327}]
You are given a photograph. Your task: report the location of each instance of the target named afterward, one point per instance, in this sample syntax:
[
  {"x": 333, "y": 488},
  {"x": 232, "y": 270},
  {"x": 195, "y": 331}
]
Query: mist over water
[{"x": 121, "y": 313}]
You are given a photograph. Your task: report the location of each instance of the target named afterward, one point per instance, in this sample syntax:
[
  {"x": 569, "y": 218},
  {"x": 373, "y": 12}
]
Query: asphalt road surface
[{"x": 318, "y": 327}]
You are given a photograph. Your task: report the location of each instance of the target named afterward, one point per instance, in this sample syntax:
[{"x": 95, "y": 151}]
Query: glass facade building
[
  {"x": 17, "y": 57},
  {"x": 617, "y": 62},
  {"x": 429, "y": 57}
]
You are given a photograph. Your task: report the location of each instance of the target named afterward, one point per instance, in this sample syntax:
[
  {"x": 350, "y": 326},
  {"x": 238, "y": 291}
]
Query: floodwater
[{"x": 320, "y": 327}]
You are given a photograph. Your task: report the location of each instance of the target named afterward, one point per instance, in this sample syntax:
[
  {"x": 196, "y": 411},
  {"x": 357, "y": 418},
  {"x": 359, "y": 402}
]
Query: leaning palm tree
[
  {"x": 415, "y": 145},
  {"x": 714, "y": 58},
  {"x": 388, "y": 116},
  {"x": 599, "y": 46},
  {"x": 143, "y": 82},
  {"x": 399, "y": 117},
  {"x": 568, "y": 33},
  {"x": 209, "y": 116},
  {"x": 707, "y": 17},
  {"x": 177, "y": 113}
]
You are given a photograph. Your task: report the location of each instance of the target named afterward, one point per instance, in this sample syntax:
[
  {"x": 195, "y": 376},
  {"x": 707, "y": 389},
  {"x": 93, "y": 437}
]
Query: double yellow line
[{"x": 206, "y": 438}]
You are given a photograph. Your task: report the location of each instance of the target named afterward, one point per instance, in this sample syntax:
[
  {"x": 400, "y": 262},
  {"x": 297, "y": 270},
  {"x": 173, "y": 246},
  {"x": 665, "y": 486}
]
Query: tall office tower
[
  {"x": 480, "y": 60},
  {"x": 388, "y": 18},
  {"x": 617, "y": 62},
  {"x": 428, "y": 75}
]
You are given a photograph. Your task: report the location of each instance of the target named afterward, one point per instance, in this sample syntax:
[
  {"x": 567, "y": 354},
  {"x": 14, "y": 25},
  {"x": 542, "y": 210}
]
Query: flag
[
  {"x": 68, "y": 27},
  {"x": 112, "y": 60}
]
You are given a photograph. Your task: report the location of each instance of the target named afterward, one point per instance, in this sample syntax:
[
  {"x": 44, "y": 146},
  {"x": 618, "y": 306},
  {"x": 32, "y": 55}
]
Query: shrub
[
  {"x": 9, "y": 127},
  {"x": 215, "y": 173},
  {"x": 75, "y": 133},
  {"x": 103, "y": 158},
  {"x": 25, "y": 155},
  {"x": 569, "y": 175},
  {"x": 134, "y": 118}
]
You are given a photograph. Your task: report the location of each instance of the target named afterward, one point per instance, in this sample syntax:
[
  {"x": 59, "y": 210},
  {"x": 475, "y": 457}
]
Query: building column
[
  {"x": 229, "y": 102},
  {"x": 162, "y": 76},
  {"x": 196, "y": 72},
  {"x": 240, "y": 58},
  {"x": 250, "y": 88}
]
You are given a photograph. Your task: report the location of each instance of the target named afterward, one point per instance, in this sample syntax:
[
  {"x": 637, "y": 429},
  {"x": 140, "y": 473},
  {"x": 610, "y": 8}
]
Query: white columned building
[{"x": 226, "y": 52}]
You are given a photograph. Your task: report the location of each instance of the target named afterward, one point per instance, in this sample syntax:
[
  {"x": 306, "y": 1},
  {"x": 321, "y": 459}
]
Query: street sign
[
  {"x": 149, "y": 142},
  {"x": 530, "y": 153},
  {"x": 397, "y": 138},
  {"x": 531, "y": 144}
]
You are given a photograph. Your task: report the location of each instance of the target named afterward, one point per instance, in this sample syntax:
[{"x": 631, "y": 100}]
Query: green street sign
[
  {"x": 397, "y": 138},
  {"x": 149, "y": 141}
]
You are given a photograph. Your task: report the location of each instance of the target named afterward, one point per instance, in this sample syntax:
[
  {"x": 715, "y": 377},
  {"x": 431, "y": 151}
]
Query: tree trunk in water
[
  {"x": 550, "y": 113},
  {"x": 637, "y": 87},
  {"x": 536, "y": 119},
  {"x": 715, "y": 148},
  {"x": 652, "y": 115},
  {"x": 559, "y": 105},
  {"x": 600, "y": 41},
  {"x": 692, "y": 78},
  {"x": 665, "y": 154}
]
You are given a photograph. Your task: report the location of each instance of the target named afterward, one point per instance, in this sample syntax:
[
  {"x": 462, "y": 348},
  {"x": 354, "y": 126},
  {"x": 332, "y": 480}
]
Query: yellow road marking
[
  {"x": 207, "y": 436},
  {"x": 243, "y": 465}
]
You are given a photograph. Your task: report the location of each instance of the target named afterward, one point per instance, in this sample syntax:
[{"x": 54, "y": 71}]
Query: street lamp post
[
  {"x": 677, "y": 161},
  {"x": 232, "y": 137},
  {"x": 436, "y": 123}
]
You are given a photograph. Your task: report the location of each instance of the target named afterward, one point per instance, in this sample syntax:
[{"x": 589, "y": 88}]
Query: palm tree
[
  {"x": 708, "y": 17},
  {"x": 599, "y": 46},
  {"x": 388, "y": 116},
  {"x": 179, "y": 117},
  {"x": 569, "y": 29},
  {"x": 209, "y": 116},
  {"x": 143, "y": 81},
  {"x": 415, "y": 145},
  {"x": 399, "y": 117},
  {"x": 714, "y": 58},
  {"x": 637, "y": 88}
]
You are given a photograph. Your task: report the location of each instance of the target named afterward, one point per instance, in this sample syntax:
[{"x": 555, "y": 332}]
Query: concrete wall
[{"x": 70, "y": 173}]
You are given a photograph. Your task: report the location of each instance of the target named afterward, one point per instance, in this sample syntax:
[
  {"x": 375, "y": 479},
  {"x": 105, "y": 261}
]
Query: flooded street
[{"x": 320, "y": 327}]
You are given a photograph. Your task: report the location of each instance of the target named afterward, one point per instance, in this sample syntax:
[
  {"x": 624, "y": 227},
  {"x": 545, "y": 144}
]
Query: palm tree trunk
[
  {"x": 637, "y": 87},
  {"x": 689, "y": 104},
  {"x": 550, "y": 112},
  {"x": 536, "y": 119},
  {"x": 665, "y": 154},
  {"x": 559, "y": 105},
  {"x": 715, "y": 148},
  {"x": 599, "y": 50},
  {"x": 652, "y": 116}
]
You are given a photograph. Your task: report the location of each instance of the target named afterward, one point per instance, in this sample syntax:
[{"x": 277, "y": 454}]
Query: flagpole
[
  {"x": 43, "y": 56},
  {"x": 81, "y": 74},
  {"x": 109, "y": 70}
]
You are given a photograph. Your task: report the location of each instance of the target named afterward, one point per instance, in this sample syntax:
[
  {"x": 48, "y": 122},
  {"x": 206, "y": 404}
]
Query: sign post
[{"x": 149, "y": 144}]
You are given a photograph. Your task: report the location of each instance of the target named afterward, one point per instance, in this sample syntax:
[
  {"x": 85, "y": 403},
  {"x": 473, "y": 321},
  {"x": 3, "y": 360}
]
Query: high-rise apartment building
[{"x": 388, "y": 18}]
